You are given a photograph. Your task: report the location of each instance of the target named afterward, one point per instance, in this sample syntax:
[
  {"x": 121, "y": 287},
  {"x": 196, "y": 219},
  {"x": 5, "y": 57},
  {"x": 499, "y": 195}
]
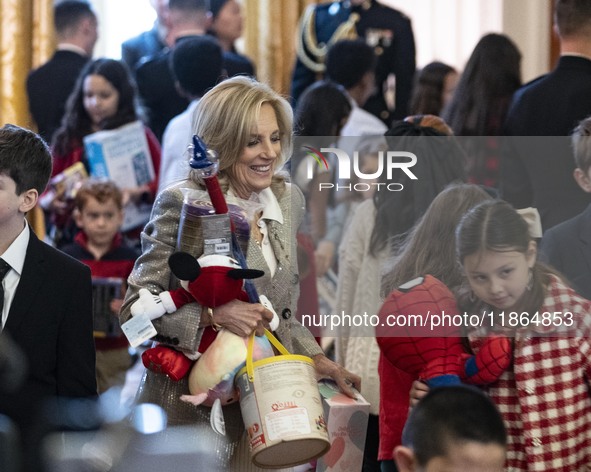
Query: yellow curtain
[
  {"x": 269, "y": 38},
  {"x": 26, "y": 41}
]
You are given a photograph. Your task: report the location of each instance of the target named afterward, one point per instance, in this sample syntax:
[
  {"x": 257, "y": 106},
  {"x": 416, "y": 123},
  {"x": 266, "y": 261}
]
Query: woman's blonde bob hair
[{"x": 225, "y": 116}]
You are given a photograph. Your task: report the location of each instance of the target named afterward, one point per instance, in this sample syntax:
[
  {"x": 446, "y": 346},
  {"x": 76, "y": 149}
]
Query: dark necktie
[{"x": 4, "y": 268}]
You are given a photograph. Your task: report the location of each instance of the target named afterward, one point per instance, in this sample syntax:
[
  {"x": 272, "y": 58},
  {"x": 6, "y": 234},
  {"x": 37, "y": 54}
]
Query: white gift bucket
[{"x": 282, "y": 409}]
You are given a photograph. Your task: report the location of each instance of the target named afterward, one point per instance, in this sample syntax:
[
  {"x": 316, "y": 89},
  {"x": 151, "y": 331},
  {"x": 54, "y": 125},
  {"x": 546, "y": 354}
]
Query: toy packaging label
[
  {"x": 346, "y": 419},
  {"x": 217, "y": 237}
]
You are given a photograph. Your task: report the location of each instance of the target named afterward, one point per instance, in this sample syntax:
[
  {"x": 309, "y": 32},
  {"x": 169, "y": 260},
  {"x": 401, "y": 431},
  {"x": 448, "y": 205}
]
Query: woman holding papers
[{"x": 104, "y": 99}]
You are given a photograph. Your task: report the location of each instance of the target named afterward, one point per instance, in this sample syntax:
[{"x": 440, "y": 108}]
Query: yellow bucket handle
[{"x": 250, "y": 348}]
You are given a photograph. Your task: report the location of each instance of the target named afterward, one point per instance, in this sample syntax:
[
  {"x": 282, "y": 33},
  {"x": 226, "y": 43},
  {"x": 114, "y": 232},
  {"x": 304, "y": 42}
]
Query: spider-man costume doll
[{"x": 439, "y": 360}]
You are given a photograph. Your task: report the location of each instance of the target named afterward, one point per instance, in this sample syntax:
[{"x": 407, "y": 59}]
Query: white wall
[
  {"x": 528, "y": 22},
  {"x": 120, "y": 20},
  {"x": 448, "y": 30}
]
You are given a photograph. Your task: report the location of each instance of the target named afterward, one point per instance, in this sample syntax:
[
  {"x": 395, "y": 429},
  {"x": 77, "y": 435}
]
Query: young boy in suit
[
  {"x": 455, "y": 428},
  {"x": 567, "y": 246},
  {"x": 98, "y": 212},
  {"x": 46, "y": 296}
]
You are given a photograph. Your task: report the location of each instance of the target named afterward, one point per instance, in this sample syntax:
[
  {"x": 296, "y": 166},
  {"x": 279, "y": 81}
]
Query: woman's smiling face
[{"x": 255, "y": 167}]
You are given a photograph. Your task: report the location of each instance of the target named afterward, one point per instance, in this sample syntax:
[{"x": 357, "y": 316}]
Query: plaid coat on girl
[{"x": 545, "y": 399}]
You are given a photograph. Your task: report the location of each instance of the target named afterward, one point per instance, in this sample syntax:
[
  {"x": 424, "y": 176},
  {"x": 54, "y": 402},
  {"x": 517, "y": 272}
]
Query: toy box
[{"x": 346, "y": 420}]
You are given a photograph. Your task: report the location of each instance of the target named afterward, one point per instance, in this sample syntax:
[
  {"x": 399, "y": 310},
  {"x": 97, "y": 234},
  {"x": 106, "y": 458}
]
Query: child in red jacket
[{"x": 99, "y": 213}]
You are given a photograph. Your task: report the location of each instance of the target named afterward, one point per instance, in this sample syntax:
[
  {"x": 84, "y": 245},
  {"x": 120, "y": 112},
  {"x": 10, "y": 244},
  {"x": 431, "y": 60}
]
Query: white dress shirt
[
  {"x": 15, "y": 257},
  {"x": 174, "y": 162}
]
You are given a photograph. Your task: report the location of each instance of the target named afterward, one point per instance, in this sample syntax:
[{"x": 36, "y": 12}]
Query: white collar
[
  {"x": 16, "y": 252},
  {"x": 72, "y": 48},
  {"x": 271, "y": 208}
]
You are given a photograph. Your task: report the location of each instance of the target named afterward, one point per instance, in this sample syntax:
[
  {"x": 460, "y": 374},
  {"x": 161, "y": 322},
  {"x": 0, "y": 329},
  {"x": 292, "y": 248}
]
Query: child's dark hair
[
  {"x": 25, "y": 158},
  {"x": 440, "y": 162},
  {"x": 488, "y": 81},
  {"x": 102, "y": 191},
  {"x": 348, "y": 60},
  {"x": 77, "y": 123},
  {"x": 427, "y": 96},
  {"x": 321, "y": 109},
  {"x": 496, "y": 226},
  {"x": 429, "y": 248},
  {"x": 197, "y": 64},
  {"x": 451, "y": 414}
]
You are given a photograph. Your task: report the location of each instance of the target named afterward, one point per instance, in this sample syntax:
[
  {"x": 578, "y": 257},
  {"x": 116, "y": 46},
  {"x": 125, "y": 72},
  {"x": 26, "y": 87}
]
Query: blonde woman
[{"x": 249, "y": 125}]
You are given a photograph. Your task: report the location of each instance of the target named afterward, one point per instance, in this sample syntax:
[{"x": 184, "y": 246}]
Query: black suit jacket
[
  {"x": 50, "y": 319},
  {"x": 541, "y": 174},
  {"x": 146, "y": 44},
  {"x": 49, "y": 87},
  {"x": 567, "y": 247},
  {"x": 158, "y": 93}
]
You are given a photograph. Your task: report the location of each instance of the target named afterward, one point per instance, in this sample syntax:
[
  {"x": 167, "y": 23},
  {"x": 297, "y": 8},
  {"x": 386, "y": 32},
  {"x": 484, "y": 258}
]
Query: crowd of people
[{"x": 487, "y": 152}]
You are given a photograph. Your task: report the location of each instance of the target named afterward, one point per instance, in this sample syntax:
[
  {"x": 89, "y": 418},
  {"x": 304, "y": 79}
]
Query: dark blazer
[
  {"x": 49, "y": 87},
  {"x": 541, "y": 174},
  {"x": 158, "y": 93},
  {"x": 145, "y": 44},
  {"x": 50, "y": 319},
  {"x": 567, "y": 247}
]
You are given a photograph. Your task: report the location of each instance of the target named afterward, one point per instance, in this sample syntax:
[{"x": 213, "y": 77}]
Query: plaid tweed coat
[{"x": 545, "y": 399}]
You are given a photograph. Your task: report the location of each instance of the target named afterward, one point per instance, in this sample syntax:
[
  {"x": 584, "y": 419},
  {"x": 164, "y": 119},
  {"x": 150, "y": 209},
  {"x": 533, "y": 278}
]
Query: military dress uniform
[{"x": 387, "y": 30}]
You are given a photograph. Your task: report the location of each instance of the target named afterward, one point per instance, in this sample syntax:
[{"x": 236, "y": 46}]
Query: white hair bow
[{"x": 532, "y": 218}]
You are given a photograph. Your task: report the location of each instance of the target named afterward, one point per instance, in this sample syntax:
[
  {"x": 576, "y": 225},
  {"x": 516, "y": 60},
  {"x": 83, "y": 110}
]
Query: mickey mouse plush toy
[{"x": 211, "y": 281}]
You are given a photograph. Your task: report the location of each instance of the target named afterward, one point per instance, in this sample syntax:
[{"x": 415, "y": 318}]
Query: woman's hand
[
  {"x": 344, "y": 379},
  {"x": 418, "y": 390},
  {"x": 241, "y": 318}
]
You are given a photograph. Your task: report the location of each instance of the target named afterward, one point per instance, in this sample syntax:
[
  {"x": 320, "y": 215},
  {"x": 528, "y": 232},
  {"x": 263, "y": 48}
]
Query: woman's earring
[{"x": 530, "y": 282}]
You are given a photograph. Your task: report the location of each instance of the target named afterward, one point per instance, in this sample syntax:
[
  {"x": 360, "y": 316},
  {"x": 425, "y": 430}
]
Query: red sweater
[
  {"x": 117, "y": 262},
  {"x": 395, "y": 387}
]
